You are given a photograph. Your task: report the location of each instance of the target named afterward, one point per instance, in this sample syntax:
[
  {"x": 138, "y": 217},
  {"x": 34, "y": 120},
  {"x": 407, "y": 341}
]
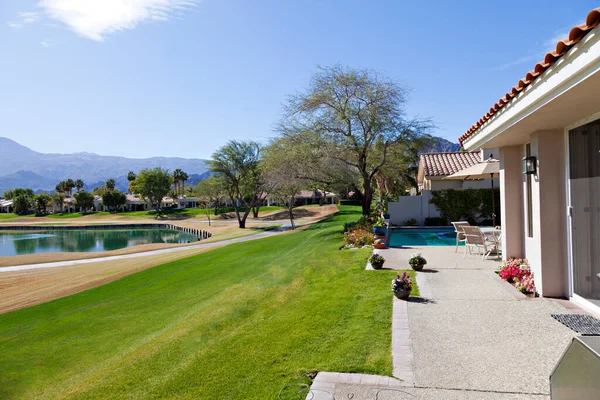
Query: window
[{"x": 529, "y": 199}]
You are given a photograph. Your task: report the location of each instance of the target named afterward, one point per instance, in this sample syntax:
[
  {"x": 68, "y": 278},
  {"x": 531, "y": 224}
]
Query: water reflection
[{"x": 27, "y": 242}]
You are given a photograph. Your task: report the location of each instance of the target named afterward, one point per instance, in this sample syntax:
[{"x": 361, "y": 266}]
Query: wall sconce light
[{"x": 529, "y": 165}]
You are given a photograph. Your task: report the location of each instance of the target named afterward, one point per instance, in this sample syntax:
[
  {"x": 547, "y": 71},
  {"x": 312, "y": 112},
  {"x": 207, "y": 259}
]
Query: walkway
[{"x": 470, "y": 335}]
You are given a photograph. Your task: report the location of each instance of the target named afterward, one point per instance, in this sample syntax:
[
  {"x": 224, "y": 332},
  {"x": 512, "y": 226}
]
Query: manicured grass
[
  {"x": 240, "y": 322},
  {"x": 192, "y": 211},
  {"x": 76, "y": 214},
  {"x": 9, "y": 215}
]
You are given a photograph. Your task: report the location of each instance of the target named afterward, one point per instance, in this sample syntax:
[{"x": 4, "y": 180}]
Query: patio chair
[
  {"x": 460, "y": 234},
  {"x": 475, "y": 238}
]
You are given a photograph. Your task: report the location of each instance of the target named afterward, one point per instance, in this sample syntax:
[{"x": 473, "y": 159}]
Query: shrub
[
  {"x": 411, "y": 222},
  {"x": 517, "y": 272},
  {"x": 466, "y": 204},
  {"x": 358, "y": 238},
  {"x": 436, "y": 221},
  {"x": 361, "y": 223}
]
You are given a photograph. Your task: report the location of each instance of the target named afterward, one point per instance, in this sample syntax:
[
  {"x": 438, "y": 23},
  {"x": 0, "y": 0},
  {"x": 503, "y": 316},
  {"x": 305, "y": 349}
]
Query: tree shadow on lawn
[{"x": 299, "y": 213}]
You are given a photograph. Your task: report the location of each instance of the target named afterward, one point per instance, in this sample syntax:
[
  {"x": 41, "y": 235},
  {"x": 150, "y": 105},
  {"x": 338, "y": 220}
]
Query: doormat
[{"x": 582, "y": 324}]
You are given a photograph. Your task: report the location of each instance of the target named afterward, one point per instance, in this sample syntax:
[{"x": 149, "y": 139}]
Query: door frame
[{"x": 575, "y": 298}]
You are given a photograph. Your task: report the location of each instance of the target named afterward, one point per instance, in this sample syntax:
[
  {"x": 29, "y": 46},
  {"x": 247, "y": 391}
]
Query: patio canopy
[{"x": 480, "y": 170}]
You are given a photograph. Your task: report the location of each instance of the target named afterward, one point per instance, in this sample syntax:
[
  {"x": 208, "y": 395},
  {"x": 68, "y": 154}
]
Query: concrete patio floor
[{"x": 473, "y": 336}]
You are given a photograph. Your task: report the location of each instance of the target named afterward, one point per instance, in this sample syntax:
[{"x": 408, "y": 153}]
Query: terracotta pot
[
  {"x": 402, "y": 294},
  {"x": 379, "y": 245},
  {"x": 377, "y": 265},
  {"x": 417, "y": 267}
]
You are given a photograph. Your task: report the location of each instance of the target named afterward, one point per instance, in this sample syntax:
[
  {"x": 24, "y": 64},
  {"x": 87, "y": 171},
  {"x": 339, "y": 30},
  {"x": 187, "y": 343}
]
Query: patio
[{"x": 472, "y": 335}]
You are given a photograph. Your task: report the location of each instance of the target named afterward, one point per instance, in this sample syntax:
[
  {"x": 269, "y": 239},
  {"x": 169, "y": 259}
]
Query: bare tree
[{"x": 354, "y": 117}]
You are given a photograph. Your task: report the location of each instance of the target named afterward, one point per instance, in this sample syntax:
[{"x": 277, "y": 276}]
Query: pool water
[
  {"x": 423, "y": 237},
  {"x": 14, "y": 243}
]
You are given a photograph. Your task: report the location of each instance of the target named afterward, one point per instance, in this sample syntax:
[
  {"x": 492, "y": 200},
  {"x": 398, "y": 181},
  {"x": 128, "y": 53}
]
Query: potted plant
[
  {"x": 376, "y": 261},
  {"x": 417, "y": 262},
  {"x": 380, "y": 227},
  {"x": 402, "y": 286}
]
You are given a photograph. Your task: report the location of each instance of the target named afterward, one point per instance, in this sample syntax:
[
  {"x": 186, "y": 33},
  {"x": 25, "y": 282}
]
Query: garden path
[{"x": 472, "y": 335}]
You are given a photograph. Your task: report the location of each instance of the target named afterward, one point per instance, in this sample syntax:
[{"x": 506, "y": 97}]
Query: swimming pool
[{"x": 423, "y": 237}]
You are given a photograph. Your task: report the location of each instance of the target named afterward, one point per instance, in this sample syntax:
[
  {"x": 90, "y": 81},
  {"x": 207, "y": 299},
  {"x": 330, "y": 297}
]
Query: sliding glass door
[{"x": 584, "y": 179}]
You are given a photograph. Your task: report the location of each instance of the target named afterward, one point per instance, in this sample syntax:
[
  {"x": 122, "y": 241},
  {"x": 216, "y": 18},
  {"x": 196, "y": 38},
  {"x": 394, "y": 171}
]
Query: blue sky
[{"x": 142, "y": 78}]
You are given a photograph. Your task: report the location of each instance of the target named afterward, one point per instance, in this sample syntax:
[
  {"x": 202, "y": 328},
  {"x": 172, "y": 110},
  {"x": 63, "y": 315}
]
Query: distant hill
[
  {"x": 23, "y": 167},
  {"x": 441, "y": 145}
]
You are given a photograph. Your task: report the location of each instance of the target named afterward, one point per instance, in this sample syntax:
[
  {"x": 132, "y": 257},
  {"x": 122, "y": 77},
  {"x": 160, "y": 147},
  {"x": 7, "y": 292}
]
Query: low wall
[
  {"x": 408, "y": 207},
  {"x": 200, "y": 234}
]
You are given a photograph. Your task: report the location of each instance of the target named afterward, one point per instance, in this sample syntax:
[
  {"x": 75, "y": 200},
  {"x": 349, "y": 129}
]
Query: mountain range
[{"x": 23, "y": 167}]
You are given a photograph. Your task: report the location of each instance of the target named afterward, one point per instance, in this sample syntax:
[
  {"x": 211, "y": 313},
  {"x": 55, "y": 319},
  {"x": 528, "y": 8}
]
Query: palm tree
[
  {"x": 79, "y": 184},
  {"x": 59, "y": 199},
  {"x": 176, "y": 179},
  {"x": 131, "y": 176},
  {"x": 69, "y": 185},
  {"x": 184, "y": 177},
  {"x": 60, "y": 187},
  {"x": 110, "y": 184}
]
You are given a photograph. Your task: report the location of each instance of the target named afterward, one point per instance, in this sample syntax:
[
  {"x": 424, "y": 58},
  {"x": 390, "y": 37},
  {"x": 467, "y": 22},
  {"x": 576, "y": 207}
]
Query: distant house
[
  {"x": 6, "y": 206},
  {"x": 434, "y": 167}
]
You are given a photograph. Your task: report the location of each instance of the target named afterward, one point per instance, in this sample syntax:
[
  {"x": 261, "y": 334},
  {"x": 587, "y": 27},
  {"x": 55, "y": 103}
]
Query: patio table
[{"x": 494, "y": 234}]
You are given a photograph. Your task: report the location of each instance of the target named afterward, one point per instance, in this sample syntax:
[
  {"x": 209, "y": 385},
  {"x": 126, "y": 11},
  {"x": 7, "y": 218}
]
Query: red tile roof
[
  {"x": 443, "y": 164},
  {"x": 575, "y": 35}
]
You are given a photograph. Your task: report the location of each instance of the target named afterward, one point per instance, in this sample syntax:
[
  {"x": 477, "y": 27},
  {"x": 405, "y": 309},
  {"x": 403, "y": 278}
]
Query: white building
[{"x": 547, "y": 129}]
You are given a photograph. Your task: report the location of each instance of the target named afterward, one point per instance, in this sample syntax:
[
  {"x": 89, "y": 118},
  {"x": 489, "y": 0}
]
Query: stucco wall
[{"x": 408, "y": 207}]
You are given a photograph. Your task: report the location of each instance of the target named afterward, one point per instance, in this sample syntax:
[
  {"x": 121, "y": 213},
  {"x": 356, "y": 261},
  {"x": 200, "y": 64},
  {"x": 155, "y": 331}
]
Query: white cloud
[
  {"x": 49, "y": 42},
  {"x": 95, "y": 19},
  {"x": 24, "y": 18},
  {"x": 518, "y": 61}
]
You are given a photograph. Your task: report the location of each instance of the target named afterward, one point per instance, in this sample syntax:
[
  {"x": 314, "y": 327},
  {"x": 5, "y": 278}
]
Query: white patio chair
[
  {"x": 460, "y": 234},
  {"x": 475, "y": 238}
]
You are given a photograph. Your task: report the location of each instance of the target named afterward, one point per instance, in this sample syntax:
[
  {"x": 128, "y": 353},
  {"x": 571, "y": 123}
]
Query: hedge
[{"x": 466, "y": 204}]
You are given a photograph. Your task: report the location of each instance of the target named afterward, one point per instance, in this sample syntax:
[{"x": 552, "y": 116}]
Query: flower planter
[
  {"x": 380, "y": 230},
  {"x": 379, "y": 245},
  {"x": 377, "y": 265},
  {"x": 402, "y": 294},
  {"x": 417, "y": 267}
]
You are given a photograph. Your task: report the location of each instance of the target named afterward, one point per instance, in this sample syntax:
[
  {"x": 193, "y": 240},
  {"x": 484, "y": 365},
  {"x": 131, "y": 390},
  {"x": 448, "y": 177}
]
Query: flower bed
[{"x": 516, "y": 271}]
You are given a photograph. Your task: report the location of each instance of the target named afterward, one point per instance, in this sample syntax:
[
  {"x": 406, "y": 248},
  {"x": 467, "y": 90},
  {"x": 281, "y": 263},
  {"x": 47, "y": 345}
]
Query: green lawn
[
  {"x": 192, "y": 211},
  {"x": 76, "y": 214},
  {"x": 8, "y": 215},
  {"x": 239, "y": 322}
]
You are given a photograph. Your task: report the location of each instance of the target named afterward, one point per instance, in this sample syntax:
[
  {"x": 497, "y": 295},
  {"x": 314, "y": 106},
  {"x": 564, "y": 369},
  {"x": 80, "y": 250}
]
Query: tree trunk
[
  {"x": 367, "y": 197},
  {"x": 216, "y": 207},
  {"x": 291, "y": 213},
  {"x": 255, "y": 211}
]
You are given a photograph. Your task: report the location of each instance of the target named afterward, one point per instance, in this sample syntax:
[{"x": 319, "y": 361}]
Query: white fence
[{"x": 408, "y": 207}]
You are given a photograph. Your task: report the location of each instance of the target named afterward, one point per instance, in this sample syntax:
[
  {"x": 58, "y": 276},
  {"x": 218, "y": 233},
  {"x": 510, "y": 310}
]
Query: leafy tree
[
  {"x": 153, "y": 185},
  {"x": 238, "y": 164},
  {"x": 110, "y": 184},
  {"x": 212, "y": 190},
  {"x": 22, "y": 204},
  {"x": 113, "y": 199},
  {"x": 355, "y": 117},
  {"x": 41, "y": 203},
  {"x": 11, "y": 194},
  {"x": 84, "y": 200},
  {"x": 131, "y": 176},
  {"x": 79, "y": 184}
]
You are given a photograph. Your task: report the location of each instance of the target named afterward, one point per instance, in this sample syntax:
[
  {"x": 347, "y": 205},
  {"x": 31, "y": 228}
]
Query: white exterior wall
[
  {"x": 439, "y": 184},
  {"x": 408, "y": 207}
]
